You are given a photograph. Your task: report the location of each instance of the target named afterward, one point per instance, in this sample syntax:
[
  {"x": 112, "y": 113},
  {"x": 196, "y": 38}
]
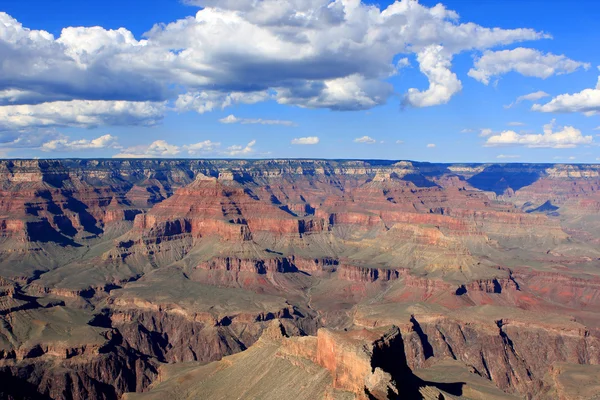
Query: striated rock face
[
  {"x": 509, "y": 356},
  {"x": 106, "y": 376},
  {"x": 188, "y": 321},
  {"x": 350, "y": 279},
  {"x": 173, "y": 338},
  {"x": 350, "y": 365},
  {"x": 580, "y": 292},
  {"x": 48, "y": 350},
  {"x": 365, "y": 274},
  {"x": 223, "y": 208},
  {"x": 355, "y": 364},
  {"x": 256, "y": 266},
  {"x": 516, "y": 354},
  {"x": 354, "y": 367}
]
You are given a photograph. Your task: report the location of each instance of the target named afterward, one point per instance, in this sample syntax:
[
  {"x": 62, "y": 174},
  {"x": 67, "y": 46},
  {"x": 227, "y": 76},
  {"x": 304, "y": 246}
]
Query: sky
[{"x": 459, "y": 81}]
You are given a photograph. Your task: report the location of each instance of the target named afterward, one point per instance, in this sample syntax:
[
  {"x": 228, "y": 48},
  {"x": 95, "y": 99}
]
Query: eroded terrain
[{"x": 333, "y": 279}]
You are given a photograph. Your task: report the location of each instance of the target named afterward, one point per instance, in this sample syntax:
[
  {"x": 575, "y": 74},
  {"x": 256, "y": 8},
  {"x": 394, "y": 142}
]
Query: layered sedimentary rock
[
  {"x": 359, "y": 364},
  {"x": 362, "y": 279}
]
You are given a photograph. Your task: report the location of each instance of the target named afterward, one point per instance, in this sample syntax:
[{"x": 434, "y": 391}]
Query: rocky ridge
[{"x": 384, "y": 278}]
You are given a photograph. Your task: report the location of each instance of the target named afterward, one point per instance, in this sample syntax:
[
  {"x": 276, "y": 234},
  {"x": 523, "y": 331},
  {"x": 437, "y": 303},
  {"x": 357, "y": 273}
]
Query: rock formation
[{"x": 349, "y": 279}]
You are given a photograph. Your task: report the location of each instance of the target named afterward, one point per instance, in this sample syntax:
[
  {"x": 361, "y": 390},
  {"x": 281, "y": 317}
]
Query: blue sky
[{"x": 309, "y": 72}]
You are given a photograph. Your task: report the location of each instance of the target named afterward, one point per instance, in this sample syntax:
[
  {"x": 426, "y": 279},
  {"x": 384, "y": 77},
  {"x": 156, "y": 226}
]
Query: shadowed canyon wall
[{"x": 388, "y": 279}]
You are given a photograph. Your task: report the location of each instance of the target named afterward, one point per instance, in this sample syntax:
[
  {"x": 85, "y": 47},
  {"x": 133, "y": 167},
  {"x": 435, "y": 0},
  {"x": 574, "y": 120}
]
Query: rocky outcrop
[
  {"x": 515, "y": 354},
  {"x": 258, "y": 266},
  {"x": 109, "y": 268},
  {"x": 354, "y": 368},
  {"x": 579, "y": 292},
  {"x": 104, "y": 376},
  {"x": 366, "y": 274}
]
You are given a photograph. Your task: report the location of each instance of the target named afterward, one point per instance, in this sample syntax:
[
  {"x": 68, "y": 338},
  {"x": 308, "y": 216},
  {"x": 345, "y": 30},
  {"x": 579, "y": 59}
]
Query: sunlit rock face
[{"x": 354, "y": 279}]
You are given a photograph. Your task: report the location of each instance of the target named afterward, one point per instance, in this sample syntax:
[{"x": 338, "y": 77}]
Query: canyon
[{"x": 332, "y": 279}]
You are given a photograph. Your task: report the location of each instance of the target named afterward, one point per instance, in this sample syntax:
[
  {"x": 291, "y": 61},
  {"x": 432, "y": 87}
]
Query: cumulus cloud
[
  {"x": 27, "y": 140},
  {"x": 431, "y": 145},
  {"x": 485, "y": 132},
  {"x": 66, "y": 145},
  {"x": 232, "y": 119},
  {"x": 206, "y": 146},
  {"x": 516, "y": 123},
  {"x": 329, "y": 54},
  {"x": 237, "y": 150},
  {"x": 567, "y": 137},
  {"x": 306, "y": 140},
  {"x": 50, "y": 140},
  {"x": 206, "y": 101},
  {"x": 161, "y": 148},
  {"x": 80, "y": 113},
  {"x": 316, "y": 53},
  {"x": 528, "y": 97},
  {"x": 587, "y": 102},
  {"x": 399, "y": 141},
  {"x": 156, "y": 149},
  {"x": 83, "y": 63},
  {"x": 467, "y": 130},
  {"x": 528, "y": 62},
  {"x": 365, "y": 139},
  {"x": 350, "y": 93},
  {"x": 435, "y": 64}
]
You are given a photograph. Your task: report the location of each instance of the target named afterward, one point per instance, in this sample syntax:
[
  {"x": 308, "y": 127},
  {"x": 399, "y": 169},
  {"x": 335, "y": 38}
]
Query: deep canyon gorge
[{"x": 185, "y": 279}]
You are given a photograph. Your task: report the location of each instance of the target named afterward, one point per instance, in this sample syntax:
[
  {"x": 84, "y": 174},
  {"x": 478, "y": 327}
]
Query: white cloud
[
  {"x": 587, "y": 102},
  {"x": 365, "y": 139},
  {"x": 335, "y": 54},
  {"x": 81, "y": 114},
  {"x": 532, "y": 96},
  {"x": 317, "y": 53},
  {"x": 161, "y": 148},
  {"x": 49, "y": 140},
  {"x": 516, "y": 123},
  {"x": 466, "y": 130},
  {"x": 435, "y": 63},
  {"x": 237, "y": 150},
  {"x": 485, "y": 132},
  {"x": 528, "y": 97},
  {"x": 206, "y": 101},
  {"x": 66, "y": 145},
  {"x": 528, "y": 62},
  {"x": 158, "y": 148},
  {"x": 565, "y": 158},
  {"x": 206, "y": 146},
  {"x": 431, "y": 145},
  {"x": 402, "y": 63},
  {"x": 10, "y": 140},
  {"x": 82, "y": 64},
  {"x": 349, "y": 93},
  {"x": 597, "y": 128},
  {"x": 502, "y": 156},
  {"x": 232, "y": 119},
  {"x": 568, "y": 137},
  {"x": 306, "y": 140},
  {"x": 399, "y": 141}
]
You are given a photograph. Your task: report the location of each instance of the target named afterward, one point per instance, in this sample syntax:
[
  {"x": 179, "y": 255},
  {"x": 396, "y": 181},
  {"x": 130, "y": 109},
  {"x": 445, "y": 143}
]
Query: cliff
[{"x": 348, "y": 278}]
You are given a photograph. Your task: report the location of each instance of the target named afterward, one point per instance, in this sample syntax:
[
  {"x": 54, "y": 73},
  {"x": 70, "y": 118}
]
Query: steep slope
[{"x": 482, "y": 280}]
